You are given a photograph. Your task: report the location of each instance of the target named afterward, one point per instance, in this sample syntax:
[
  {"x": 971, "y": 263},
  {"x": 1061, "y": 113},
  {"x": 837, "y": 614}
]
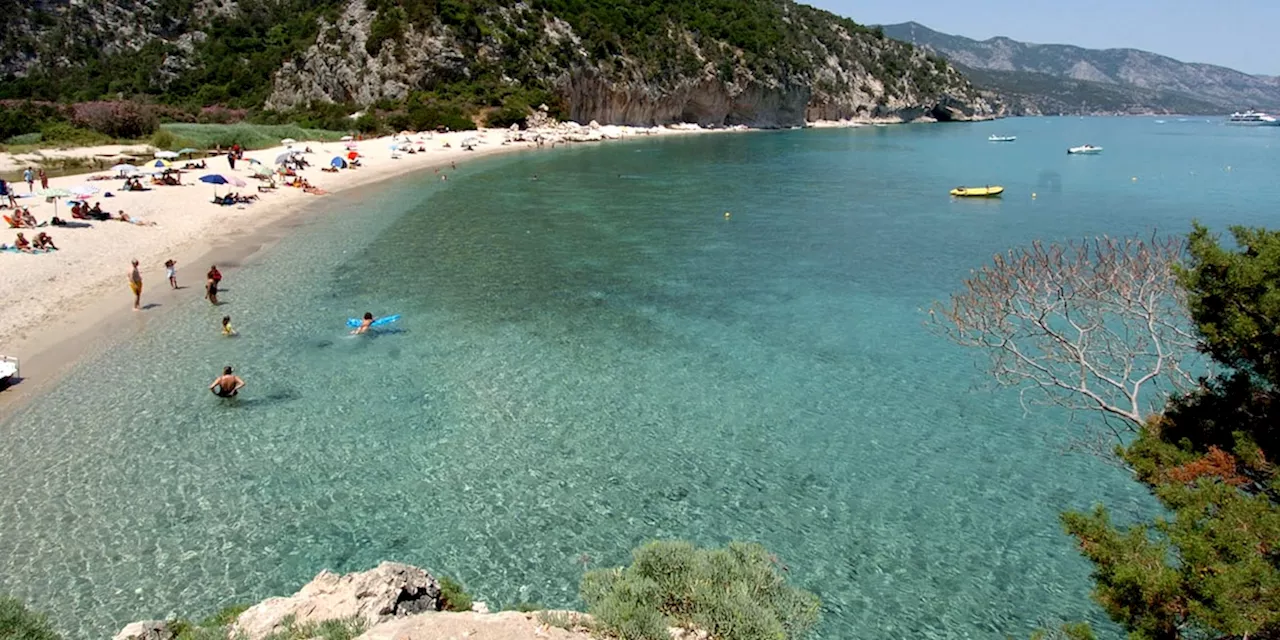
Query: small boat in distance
[
  {"x": 995, "y": 138},
  {"x": 1085, "y": 149},
  {"x": 977, "y": 192},
  {"x": 1252, "y": 118}
]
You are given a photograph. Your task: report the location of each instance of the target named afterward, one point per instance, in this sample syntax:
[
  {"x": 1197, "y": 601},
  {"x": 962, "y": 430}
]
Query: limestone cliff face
[
  {"x": 832, "y": 71},
  {"x": 778, "y": 64}
]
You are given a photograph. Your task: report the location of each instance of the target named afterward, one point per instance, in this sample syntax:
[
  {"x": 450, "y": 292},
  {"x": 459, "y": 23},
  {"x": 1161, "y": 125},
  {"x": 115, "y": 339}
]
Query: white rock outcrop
[
  {"x": 146, "y": 630},
  {"x": 389, "y": 591}
]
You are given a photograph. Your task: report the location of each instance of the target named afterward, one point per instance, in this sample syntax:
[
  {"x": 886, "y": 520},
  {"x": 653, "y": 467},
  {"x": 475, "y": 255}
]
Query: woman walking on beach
[
  {"x": 171, "y": 270},
  {"x": 135, "y": 284},
  {"x": 44, "y": 178}
]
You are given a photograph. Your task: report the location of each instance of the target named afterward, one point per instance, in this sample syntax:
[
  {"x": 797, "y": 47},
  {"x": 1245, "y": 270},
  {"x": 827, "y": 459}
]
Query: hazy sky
[{"x": 1240, "y": 34}]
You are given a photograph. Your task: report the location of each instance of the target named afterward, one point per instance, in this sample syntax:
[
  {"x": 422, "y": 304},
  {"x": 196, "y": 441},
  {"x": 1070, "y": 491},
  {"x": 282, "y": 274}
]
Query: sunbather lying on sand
[{"x": 124, "y": 217}]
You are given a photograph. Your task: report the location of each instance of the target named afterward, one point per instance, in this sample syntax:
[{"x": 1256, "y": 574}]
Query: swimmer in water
[
  {"x": 364, "y": 324},
  {"x": 226, "y": 327},
  {"x": 227, "y": 385}
]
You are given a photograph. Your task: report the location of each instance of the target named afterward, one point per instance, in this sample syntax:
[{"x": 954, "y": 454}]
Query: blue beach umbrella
[
  {"x": 338, "y": 163},
  {"x": 214, "y": 179}
]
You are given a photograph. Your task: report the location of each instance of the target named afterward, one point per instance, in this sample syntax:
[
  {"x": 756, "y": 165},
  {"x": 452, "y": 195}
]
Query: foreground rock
[
  {"x": 507, "y": 625},
  {"x": 392, "y": 602},
  {"x": 146, "y": 630},
  {"x": 389, "y": 591}
]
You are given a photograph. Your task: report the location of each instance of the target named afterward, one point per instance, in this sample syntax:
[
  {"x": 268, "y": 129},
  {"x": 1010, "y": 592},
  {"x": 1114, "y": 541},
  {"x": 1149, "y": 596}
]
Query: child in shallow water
[{"x": 226, "y": 327}]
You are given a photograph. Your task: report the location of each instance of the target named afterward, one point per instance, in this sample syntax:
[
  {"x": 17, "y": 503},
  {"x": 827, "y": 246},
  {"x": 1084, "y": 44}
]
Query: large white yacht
[{"x": 1251, "y": 117}]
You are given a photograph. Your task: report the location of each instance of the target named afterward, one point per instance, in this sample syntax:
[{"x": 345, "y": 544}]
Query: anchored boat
[
  {"x": 977, "y": 192},
  {"x": 1087, "y": 149},
  {"x": 995, "y": 138}
]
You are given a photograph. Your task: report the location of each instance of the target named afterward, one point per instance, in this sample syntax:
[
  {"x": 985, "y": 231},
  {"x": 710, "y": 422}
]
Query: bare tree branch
[{"x": 1098, "y": 325}]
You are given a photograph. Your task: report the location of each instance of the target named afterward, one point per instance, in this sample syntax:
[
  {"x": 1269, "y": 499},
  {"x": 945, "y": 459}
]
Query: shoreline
[{"x": 82, "y": 318}]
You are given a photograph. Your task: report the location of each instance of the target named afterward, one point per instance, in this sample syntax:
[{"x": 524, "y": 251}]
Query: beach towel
[{"x": 10, "y": 249}]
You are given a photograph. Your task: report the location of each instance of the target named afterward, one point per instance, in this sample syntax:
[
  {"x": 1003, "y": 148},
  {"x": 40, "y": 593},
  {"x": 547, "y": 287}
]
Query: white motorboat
[
  {"x": 1252, "y": 118},
  {"x": 1084, "y": 149},
  {"x": 995, "y": 138}
]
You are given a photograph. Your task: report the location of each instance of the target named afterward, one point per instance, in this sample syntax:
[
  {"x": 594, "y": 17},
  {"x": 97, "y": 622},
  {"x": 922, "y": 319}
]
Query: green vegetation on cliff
[
  {"x": 734, "y": 593},
  {"x": 19, "y": 623},
  {"x": 443, "y": 62}
]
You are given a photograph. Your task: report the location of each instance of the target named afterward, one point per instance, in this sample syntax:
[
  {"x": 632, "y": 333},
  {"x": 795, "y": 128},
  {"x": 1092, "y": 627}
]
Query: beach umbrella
[
  {"x": 185, "y": 150},
  {"x": 159, "y": 164},
  {"x": 166, "y": 155},
  {"x": 83, "y": 190},
  {"x": 352, "y": 155},
  {"x": 338, "y": 163},
  {"x": 218, "y": 178},
  {"x": 261, "y": 171},
  {"x": 346, "y": 138},
  {"x": 351, "y": 145},
  {"x": 284, "y": 157},
  {"x": 254, "y": 161},
  {"x": 54, "y": 194},
  {"x": 124, "y": 169},
  {"x": 288, "y": 141}
]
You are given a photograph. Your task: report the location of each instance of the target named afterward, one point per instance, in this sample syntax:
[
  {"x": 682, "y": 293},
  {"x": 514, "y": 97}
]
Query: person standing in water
[
  {"x": 227, "y": 385},
  {"x": 135, "y": 284},
  {"x": 213, "y": 278},
  {"x": 226, "y": 327}
]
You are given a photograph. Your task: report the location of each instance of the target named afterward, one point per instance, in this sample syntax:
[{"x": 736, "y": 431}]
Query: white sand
[{"x": 38, "y": 293}]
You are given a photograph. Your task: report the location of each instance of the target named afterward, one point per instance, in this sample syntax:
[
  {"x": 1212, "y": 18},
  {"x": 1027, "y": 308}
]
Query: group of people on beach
[
  {"x": 212, "y": 279},
  {"x": 42, "y": 242},
  {"x": 228, "y": 384}
]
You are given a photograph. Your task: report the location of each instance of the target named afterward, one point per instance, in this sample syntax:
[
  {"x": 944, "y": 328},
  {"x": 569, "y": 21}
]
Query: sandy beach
[{"x": 81, "y": 290}]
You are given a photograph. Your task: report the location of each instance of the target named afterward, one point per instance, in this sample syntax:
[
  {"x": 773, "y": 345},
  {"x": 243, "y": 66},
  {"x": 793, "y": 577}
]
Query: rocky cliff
[
  {"x": 1065, "y": 78},
  {"x": 755, "y": 62},
  {"x": 390, "y": 602}
]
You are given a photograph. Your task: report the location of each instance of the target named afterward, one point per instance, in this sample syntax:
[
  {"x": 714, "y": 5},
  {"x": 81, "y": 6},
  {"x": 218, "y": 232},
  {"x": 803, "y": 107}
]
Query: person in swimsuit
[
  {"x": 135, "y": 284},
  {"x": 44, "y": 242},
  {"x": 22, "y": 244},
  {"x": 226, "y": 327},
  {"x": 211, "y": 284},
  {"x": 364, "y": 324},
  {"x": 227, "y": 385},
  {"x": 171, "y": 270}
]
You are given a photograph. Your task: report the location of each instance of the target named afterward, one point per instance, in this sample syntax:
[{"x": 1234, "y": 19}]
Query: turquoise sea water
[{"x": 598, "y": 357}]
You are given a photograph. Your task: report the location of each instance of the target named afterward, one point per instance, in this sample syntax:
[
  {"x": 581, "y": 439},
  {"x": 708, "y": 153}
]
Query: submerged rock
[{"x": 390, "y": 590}]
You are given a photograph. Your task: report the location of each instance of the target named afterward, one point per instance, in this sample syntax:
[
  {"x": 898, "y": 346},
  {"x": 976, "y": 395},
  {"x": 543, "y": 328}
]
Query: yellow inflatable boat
[{"x": 977, "y": 192}]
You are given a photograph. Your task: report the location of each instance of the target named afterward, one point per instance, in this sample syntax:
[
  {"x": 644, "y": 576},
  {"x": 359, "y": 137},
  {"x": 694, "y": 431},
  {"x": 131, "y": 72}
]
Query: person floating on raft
[
  {"x": 364, "y": 324},
  {"x": 227, "y": 385}
]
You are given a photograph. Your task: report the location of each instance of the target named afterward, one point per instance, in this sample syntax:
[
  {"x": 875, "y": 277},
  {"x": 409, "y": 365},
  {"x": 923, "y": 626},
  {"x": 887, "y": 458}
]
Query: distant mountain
[{"x": 1053, "y": 78}]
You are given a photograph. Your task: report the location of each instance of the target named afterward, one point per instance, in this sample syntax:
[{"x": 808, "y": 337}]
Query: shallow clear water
[{"x": 598, "y": 357}]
